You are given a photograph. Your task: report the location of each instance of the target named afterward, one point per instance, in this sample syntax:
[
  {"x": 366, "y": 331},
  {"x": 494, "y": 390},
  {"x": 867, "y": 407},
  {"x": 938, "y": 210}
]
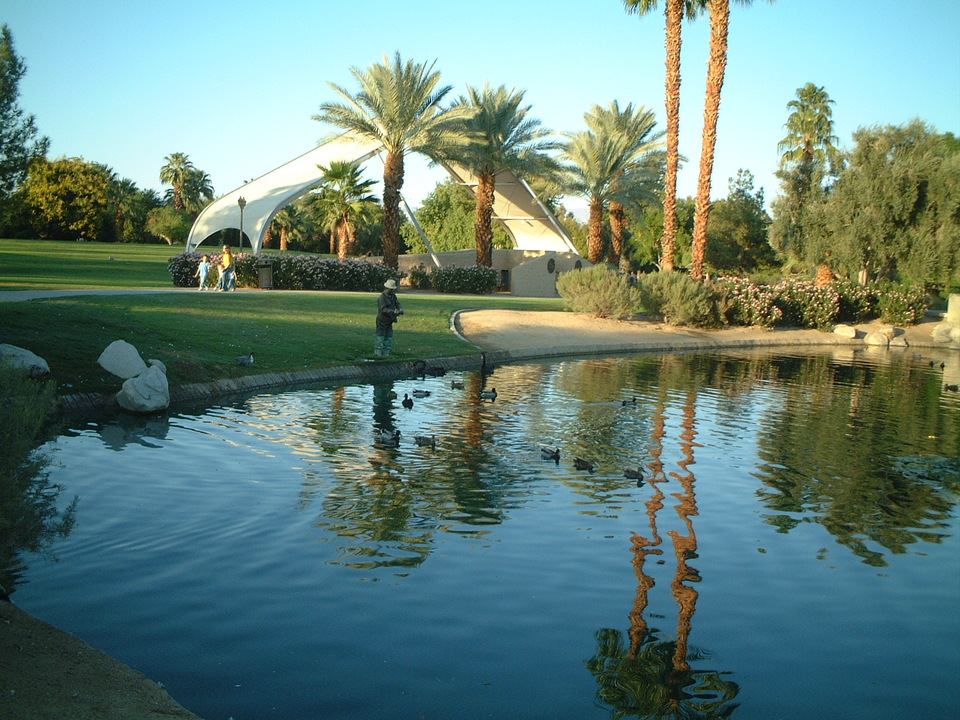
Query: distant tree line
[{"x": 887, "y": 209}]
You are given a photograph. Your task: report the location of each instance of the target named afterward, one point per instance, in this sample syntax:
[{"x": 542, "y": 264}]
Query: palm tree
[
  {"x": 398, "y": 106},
  {"x": 175, "y": 173},
  {"x": 196, "y": 191},
  {"x": 504, "y": 138},
  {"x": 292, "y": 224},
  {"x": 674, "y": 11},
  {"x": 610, "y": 161},
  {"x": 123, "y": 195},
  {"x": 342, "y": 202},
  {"x": 716, "y": 68}
]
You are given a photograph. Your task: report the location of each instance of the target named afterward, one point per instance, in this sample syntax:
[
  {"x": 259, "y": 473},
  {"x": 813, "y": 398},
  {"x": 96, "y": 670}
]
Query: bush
[
  {"x": 476, "y": 280},
  {"x": 290, "y": 272},
  {"x": 901, "y": 304},
  {"x": 747, "y": 303},
  {"x": 420, "y": 278},
  {"x": 679, "y": 299},
  {"x": 804, "y": 304},
  {"x": 599, "y": 291},
  {"x": 858, "y": 303}
]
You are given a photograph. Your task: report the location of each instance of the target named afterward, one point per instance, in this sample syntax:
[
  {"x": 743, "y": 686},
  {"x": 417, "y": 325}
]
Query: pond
[{"x": 791, "y": 549}]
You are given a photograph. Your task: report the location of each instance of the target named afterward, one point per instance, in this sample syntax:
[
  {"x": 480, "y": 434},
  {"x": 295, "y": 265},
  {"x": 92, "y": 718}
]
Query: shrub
[
  {"x": 420, "y": 278},
  {"x": 901, "y": 304},
  {"x": 858, "y": 303},
  {"x": 290, "y": 272},
  {"x": 806, "y": 305},
  {"x": 599, "y": 291},
  {"x": 679, "y": 299},
  {"x": 747, "y": 303},
  {"x": 476, "y": 280}
]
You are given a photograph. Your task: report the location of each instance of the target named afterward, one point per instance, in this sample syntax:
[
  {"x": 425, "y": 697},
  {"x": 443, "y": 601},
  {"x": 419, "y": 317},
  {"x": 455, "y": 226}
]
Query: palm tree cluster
[{"x": 191, "y": 189}]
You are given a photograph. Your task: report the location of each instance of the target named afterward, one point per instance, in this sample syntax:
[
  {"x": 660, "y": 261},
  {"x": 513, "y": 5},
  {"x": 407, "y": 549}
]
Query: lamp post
[{"x": 242, "y": 203}]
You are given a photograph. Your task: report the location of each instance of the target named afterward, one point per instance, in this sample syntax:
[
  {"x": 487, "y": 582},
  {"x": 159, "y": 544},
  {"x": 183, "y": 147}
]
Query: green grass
[{"x": 198, "y": 335}]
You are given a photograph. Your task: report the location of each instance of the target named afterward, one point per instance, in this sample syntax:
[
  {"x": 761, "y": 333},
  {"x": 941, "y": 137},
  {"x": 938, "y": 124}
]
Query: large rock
[
  {"x": 122, "y": 359},
  {"x": 946, "y": 333},
  {"x": 34, "y": 365},
  {"x": 847, "y": 331},
  {"x": 147, "y": 392},
  {"x": 878, "y": 338}
]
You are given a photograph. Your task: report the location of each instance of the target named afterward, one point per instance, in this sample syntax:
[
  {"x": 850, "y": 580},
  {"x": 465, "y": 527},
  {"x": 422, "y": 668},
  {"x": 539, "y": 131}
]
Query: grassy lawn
[{"x": 198, "y": 335}]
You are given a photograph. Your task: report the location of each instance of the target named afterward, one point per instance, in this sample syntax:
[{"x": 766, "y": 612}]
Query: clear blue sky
[{"x": 234, "y": 84}]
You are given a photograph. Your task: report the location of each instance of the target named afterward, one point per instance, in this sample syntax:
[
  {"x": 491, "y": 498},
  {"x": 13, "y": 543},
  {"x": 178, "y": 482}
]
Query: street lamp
[{"x": 242, "y": 203}]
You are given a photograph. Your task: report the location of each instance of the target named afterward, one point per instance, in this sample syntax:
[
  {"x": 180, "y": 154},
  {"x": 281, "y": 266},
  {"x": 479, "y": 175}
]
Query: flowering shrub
[
  {"x": 476, "y": 280},
  {"x": 290, "y": 272},
  {"x": 804, "y": 304},
  {"x": 600, "y": 291},
  {"x": 420, "y": 278},
  {"x": 901, "y": 304},
  {"x": 747, "y": 303},
  {"x": 858, "y": 303}
]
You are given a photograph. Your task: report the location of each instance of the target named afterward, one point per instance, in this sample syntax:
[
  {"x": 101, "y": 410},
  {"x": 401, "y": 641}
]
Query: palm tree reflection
[{"x": 652, "y": 676}]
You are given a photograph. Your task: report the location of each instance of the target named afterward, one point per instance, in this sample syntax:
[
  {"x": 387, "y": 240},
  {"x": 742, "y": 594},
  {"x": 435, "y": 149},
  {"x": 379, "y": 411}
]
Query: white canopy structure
[
  {"x": 266, "y": 195},
  {"x": 531, "y": 225},
  {"x": 528, "y": 221}
]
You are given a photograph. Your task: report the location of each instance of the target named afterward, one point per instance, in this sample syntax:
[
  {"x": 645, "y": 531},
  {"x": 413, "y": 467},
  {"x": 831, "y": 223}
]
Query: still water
[{"x": 791, "y": 550}]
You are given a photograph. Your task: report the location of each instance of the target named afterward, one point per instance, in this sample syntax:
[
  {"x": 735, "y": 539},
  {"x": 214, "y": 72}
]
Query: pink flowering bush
[
  {"x": 747, "y": 303},
  {"x": 290, "y": 272},
  {"x": 476, "y": 280}
]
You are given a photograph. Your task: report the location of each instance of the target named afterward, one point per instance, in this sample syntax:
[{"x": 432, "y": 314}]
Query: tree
[
  {"x": 68, "y": 199},
  {"x": 738, "y": 229},
  {"x": 894, "y": 213},
  {"x": 197, "y": 191},
  {"x": 809, "y": 160},
  {"x": 20, "y": 143},
  {"x": 169, "y": 224},
  {"x": 294, "y": 224},
  {"x": 343, "y": 202},
  {"x": 503, "y": 138},
  {"x": 716, "y": 69},
  {"x": 611, "y": 160},
  {"x": 176, "y": 173},
  {"x": 398, "y": 106},
  {"x": 123, "y": 195},
  {"x": 448, "y": 217},
  {"x": 674, "y": 11}
]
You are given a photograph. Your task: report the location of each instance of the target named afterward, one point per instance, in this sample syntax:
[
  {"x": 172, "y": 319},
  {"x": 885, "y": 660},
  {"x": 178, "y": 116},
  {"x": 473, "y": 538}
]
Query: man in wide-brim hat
[{"x": 388, "y": 310}]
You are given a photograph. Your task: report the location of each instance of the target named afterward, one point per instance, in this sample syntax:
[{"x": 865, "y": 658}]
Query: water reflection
[{"x": 651, "y": 677}]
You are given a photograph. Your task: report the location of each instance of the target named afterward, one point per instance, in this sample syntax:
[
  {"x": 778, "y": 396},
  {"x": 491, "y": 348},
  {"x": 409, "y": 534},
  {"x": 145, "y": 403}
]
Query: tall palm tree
[
  {"x": 175, "y": 173},
  {"x": 123, "y": 195},
  {"x": 674, "y": 10},
  {"x": 342, "y": 202},
  {"x": 716, "y": 69},
  {"x": 608, "y": 160},
  {"x": 504, "y": 138},
  {"x": 398, "y": 106},
  {"x": 196, "y": 192}
]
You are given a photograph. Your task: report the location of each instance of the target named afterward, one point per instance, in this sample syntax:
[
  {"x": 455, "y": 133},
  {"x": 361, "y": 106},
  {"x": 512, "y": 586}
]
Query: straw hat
[{"x": 390, "y": 284}]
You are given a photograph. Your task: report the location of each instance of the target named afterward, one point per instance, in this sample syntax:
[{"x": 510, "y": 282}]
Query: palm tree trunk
[
  {"x": 268, "y": 236},
  {"x": 674, "y": 14},
  {"x": 343, "y": 238},
  {"x": 283, "y": 238},
  {"x": 483, "y": 227},
  {"x": 719, "y": 30},
  {"x": 617, "y": 220},
  {"x": 595, "y": 234},
  {"x": 350, "y": 241},
  {"x": 392, "y": 182}
]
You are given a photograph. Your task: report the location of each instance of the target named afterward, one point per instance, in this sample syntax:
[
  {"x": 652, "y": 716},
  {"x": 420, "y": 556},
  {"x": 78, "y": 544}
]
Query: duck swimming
[
  {"x": 407, "y": 402},
  {"x": 548, "y": 454},
  {"x": 581, "y": 464},
  {"x": 490, "y": 394},
  {"x": 425, "y": 440},
  {"x": 421, "y": 393}
]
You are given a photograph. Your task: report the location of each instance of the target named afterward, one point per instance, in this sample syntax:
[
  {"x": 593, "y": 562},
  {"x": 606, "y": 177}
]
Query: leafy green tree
[
  {"x": 894, "y": 213},
  {"x": 68, "y": 199},
  {"x": 169, "y": 224},
  {"x": 448, "y": 217},
  {"x": 607, "y": 159},
  {"x": 645, "y": 242},
  {"x": 810, "y": 161},
  {"x": 20, "y": 143},
  {"x": 342, "y": 202},
  {"x": 738, "y": 229},
  {"x": 504, "y": 137},
  {"x": 122, "y": 194},
  {"x": 197, "y": 191},
  {"x": 398, "y": 106},
  {"x": 294, "y": 224},
  {"x": 716, "y": 69},
  {"x": 674, "y": 12}
]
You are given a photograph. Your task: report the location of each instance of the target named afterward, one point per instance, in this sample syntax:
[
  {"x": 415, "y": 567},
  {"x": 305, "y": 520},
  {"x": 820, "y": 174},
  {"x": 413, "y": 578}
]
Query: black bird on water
[{"x": 407, "y": 402}]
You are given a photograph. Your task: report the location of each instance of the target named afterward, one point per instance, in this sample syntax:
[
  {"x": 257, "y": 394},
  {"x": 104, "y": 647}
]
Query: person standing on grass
[
  {"x": 203, "y": 269},
  {"x": 388, "y": 310},
  {"x": 226, "y": 281}
]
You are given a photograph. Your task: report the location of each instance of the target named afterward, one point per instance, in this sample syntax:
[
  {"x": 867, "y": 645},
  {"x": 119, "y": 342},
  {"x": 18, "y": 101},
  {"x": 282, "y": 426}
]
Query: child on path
[
  {"x": 203, "y": 269},
  {"x": 227, "y": 281}
]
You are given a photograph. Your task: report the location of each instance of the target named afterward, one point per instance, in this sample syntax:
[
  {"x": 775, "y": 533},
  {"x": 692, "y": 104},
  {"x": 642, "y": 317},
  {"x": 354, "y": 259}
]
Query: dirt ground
[{"x": 46, "y": 673}]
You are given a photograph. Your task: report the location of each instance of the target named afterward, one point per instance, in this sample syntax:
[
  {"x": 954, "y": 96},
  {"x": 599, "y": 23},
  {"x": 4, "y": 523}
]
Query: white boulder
[
  {"x": 847, "y": 331},
  {"x": 19, "y": 357},
  {"x": 878, "y": 338},
  {"x": 147, "y": 392},
  {"x": 122, "y": 359}
]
